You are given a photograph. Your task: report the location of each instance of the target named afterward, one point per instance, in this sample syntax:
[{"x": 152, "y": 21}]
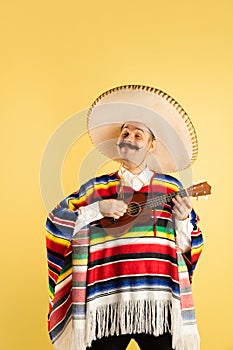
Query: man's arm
[
  {"x": 188, "y": 235},
  {"x": 96, "y": 211},
  {"x": 181, "y": 211}
]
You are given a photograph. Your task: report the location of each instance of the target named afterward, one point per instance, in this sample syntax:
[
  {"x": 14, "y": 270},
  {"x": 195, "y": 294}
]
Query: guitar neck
[{"x": 164, "y": 198}]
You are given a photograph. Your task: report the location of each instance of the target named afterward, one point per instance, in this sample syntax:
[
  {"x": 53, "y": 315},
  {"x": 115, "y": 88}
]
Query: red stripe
[
  {"x": 79, "y": 276},
  {"x": 62, "y": 222},
  {"x": 79, "y": 295},
  {"x": 63, "y": 291},
  {"x": 184, "y": 282},
  {"x": 163, "y": 189},
  {"x": 105, "y": 192},
  {"x": 131, "y": 268},
  {"x": 53, "y": 275},
  {"x": 58, "y": 247},
  {"x": 57, "y": 315},
  {"x": 77, "y": 241},
  {"x": 131, "y": 249},
  {"x": 162, "y": 214},
  {"x": 186, "y": 301}
]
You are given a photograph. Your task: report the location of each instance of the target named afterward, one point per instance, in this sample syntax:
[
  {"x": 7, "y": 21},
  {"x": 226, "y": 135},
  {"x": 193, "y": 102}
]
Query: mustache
[{"x": 129, "y": 145}]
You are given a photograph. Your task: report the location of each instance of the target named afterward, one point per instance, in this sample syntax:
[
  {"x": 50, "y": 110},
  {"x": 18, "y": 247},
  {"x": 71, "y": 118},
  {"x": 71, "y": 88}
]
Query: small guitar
[{"x": 140, "y": 208}]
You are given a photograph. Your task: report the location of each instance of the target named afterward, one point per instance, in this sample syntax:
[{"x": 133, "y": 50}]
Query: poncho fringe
[{"x": 151, "y": 318}]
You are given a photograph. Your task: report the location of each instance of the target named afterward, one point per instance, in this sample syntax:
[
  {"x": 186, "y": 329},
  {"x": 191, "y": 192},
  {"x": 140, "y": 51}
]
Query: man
[
  {"x": 135, "y": 141},
  {"x": 117, "y": 272}
]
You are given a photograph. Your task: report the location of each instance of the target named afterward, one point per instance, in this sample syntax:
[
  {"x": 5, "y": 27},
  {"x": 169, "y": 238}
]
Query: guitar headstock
[{"x": 201, "y": 189}]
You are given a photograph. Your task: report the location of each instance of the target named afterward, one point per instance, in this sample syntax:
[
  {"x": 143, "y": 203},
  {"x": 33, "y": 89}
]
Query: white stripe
[{"x": 131, "y": 241}]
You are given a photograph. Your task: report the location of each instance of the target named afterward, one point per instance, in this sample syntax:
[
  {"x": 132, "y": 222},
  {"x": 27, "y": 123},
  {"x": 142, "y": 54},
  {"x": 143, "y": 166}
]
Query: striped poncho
[{"x": 137, "y": 283}]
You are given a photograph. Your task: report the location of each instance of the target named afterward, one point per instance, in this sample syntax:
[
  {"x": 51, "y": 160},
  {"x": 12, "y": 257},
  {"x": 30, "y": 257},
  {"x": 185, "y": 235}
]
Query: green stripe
[
  {"x": 80, "y": 256},
  {"x": 65, "y": 268},
  {"x": 164, "y": 229}
]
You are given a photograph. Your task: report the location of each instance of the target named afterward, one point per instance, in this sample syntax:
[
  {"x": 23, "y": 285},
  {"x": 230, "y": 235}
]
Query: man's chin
[
  {"x": 127, "y": 153},
  {"x": 130, "y": 159}
]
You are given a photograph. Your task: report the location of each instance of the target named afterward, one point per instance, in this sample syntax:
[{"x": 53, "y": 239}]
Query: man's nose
[{"x": 129, "y": 138}]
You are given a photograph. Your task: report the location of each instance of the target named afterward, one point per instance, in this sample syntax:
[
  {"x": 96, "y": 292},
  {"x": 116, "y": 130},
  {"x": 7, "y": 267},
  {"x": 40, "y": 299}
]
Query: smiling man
[
  {"x": 138, "y": 138},
  {"x": 129, "y": 278}
]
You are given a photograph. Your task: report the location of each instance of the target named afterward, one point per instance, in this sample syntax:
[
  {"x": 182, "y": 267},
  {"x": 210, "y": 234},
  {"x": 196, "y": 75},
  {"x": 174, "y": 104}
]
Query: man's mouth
[{"x": 129, "y": 145}]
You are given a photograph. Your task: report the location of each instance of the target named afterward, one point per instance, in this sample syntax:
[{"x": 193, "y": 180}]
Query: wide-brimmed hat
[{"x": 176, "y": 141}]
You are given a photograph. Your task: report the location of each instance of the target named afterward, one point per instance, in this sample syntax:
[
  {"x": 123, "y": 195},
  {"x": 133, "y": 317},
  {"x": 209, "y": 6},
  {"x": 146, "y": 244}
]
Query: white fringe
[
  {"x": 134, "y": 316},
  {"x": 127, "y": 318},
  {"x": 73, "y": 338},
  {"x": 190, "y": 339},
  {"x": 130, "y": 317}
]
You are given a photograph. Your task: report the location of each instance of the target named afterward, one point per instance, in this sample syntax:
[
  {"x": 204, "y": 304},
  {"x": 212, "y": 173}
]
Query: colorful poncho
[{"x": 137, "y": 283}]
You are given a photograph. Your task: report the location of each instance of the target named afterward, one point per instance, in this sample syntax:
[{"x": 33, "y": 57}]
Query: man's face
[{"x": 134, "y": 141}]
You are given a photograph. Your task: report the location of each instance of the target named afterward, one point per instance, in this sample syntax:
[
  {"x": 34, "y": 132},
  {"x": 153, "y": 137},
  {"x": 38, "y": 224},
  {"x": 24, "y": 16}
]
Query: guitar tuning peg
[{"x": 206, "y": 197}]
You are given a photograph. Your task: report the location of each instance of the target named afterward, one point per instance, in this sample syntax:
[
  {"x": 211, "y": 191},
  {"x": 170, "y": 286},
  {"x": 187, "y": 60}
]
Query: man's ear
[{"x": 152, "y": 145}]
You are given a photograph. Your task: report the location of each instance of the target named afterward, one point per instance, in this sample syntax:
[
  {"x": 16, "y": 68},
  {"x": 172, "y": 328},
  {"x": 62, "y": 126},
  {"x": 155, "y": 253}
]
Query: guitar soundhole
[{"x": 133, "y": 209}]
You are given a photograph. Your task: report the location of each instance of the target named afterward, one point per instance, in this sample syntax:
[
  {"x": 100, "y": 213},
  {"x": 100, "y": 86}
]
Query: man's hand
[
  {"x": 112, "y": 208},
  {"x": 182, "y": 207}
]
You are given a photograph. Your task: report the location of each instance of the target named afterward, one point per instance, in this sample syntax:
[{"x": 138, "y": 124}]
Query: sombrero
[{"x": 176, "y": 139}]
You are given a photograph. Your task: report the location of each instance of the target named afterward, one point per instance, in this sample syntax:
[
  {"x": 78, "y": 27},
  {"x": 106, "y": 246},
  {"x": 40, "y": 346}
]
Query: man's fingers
[
  {"x": 182, "y": 207},
  {"x": 182, "y": 202},
  {"x": 188, "y": 203},
  {"x": 117, "y": 215},
  {"x": 112, "y": 208}
]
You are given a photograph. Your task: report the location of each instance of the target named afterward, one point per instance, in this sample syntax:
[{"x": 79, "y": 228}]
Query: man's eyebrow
[
  {"x": 143, "y": 130},
  {"x": 126, "y": 127}
]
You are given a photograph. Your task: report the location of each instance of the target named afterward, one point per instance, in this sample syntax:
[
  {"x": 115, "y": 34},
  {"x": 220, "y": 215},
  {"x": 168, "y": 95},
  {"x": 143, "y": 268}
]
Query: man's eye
[
  {"x": 138, "y": 136},
  {"x": 125, "y": 134}
]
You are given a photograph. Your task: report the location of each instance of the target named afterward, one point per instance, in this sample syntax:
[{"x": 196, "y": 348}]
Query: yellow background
[{"x": 56, "y": 58}]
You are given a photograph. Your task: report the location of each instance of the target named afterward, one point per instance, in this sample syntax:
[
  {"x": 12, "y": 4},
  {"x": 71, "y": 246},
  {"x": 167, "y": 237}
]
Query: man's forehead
[{"x": 137, "y": 126}]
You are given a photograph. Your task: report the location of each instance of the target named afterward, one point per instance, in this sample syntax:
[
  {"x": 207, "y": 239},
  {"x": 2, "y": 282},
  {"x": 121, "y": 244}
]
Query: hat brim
[{"x": 176, "y": 141}]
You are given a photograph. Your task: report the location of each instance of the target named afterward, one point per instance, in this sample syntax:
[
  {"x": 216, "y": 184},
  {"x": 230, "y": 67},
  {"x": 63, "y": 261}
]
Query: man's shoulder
[
  {"x": 103, "y": 179},
  {"x": 168, "y": 179}
]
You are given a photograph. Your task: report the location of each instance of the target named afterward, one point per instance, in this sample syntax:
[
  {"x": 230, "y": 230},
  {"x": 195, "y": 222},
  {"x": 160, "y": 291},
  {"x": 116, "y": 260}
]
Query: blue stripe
[
  {"x": 65, "y": 232},
  {"x": 197, "y": 241},
  {"x": 55, "y": 260},
  {"x": 147, "y": 282}
]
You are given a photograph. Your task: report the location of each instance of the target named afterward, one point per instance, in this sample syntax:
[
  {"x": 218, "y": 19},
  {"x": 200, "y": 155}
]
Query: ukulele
[{"x": 140, "y": 208}]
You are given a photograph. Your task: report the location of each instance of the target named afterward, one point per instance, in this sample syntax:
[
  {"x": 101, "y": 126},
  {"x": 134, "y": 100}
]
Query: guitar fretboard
[{"x": 164, "y": 198}]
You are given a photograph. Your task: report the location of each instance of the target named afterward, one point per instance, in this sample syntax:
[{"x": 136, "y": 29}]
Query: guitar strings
[{"x": 161, "y": 199}]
